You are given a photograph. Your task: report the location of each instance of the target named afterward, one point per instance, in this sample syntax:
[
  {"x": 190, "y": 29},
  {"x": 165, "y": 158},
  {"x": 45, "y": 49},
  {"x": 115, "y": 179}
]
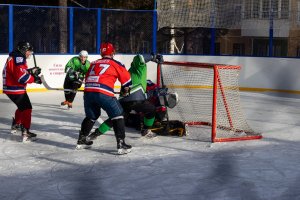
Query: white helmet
[{"x": 83, "y": 53}]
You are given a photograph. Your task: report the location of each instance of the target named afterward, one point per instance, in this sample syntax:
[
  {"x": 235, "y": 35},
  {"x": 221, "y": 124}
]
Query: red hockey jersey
[
  {"x": 15, "y": 74},
  {"x": 102, "y": 75}
]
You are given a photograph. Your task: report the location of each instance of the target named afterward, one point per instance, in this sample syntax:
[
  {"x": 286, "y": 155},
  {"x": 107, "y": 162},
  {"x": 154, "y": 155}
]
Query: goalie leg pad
[{"x": 172, "y": 127}]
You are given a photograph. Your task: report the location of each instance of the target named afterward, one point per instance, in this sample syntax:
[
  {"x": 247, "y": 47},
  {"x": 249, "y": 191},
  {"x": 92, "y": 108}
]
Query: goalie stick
[{"x": 163, "y": 86}]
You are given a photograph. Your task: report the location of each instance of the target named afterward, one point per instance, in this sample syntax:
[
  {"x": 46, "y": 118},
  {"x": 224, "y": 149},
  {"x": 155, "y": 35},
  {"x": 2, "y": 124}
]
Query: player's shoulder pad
[
  {"x": 76, "y": 60},
  {"x": 119, "y": 63},
  {"x": 19, "y": 60}
]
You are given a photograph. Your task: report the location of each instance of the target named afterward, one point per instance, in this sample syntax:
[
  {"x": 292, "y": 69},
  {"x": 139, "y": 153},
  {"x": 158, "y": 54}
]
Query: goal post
[{"x": 208, "y": 96}]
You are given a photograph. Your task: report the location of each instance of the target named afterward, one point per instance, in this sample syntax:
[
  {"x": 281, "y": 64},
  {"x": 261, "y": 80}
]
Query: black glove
[
  {"x": 37, "y": 79},
  {"x": 81, "y": 76},
  {"x": 125, "y": 91},
  {"x": 77, "y": 84},
  {"x": 158, "y": 58},
  {"x": 71, "y": 74},
  {"x": 35, "y": 71}
]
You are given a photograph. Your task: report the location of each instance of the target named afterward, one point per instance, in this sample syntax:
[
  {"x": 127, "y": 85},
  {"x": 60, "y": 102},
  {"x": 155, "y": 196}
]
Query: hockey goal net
[{"x": 208, "y": 95}]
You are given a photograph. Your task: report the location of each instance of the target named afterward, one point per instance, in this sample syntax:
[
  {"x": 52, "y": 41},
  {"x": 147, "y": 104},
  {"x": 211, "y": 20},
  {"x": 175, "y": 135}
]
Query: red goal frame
[{"x": 217, "y": 84}]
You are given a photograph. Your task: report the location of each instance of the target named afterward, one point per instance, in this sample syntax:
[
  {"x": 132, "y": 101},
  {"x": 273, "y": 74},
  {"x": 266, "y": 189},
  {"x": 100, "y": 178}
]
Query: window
[
  {"x": 262, "y": 8},
  {"x": 280, "y": 47},
  {"x": 238, "y": 49},
  {"x": 217, "y": 48},
  {"x": 298, "y": 51},
  {"x": 261, "y": 47}
]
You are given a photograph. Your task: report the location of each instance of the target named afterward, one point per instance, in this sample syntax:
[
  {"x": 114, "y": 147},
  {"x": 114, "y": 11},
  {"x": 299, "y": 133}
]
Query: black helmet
[{"x": 24, "y": 46}]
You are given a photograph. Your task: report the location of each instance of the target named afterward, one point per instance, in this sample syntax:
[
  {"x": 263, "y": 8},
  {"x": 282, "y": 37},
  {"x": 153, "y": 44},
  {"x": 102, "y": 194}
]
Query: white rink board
[
  {"x": 264, "y": 73},
  {"x": 53, "y": 67}
]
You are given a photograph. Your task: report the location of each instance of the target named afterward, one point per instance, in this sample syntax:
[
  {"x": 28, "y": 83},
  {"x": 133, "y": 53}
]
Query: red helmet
[{"x": 107, "y": 49}]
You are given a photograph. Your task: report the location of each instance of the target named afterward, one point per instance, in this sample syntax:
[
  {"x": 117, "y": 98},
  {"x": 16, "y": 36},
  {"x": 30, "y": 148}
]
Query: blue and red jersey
[
  {"x": 15, "y": 74},
  {"x": 102, "y": 75}
]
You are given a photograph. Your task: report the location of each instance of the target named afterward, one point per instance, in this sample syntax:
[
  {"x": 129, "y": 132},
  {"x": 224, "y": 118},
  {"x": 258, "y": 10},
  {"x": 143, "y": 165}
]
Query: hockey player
[
  {"x": 99, "y": 93},
  {"x": 16, "y": 76},
  {"x": 75, "y": 71},
  {"x": 137, "y": 100}
]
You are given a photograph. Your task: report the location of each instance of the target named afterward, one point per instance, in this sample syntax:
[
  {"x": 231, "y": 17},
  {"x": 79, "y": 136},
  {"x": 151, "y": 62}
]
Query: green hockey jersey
[{"x": 75, "y": 65}]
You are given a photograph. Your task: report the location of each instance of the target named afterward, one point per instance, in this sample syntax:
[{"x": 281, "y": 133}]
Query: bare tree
[{"x": 63, "y": 26}]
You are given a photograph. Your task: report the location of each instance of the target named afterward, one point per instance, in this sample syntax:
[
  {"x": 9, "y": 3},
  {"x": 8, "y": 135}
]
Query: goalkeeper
[
  {"x": 137, "y": 99},
  {"x": 75, "y": 71}
]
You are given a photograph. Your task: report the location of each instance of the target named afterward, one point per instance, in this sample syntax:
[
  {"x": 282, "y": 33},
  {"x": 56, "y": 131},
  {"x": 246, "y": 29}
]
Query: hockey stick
[
  {"x": 44, "y": 81},
  {"x": 163, "y": 86},
  {"x": 48, "y": 87},
  {"x": 33, "y": 55}
]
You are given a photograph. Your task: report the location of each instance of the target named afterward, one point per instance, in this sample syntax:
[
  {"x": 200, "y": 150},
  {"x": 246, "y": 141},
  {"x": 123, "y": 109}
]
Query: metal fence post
[
  {"x": 10, "y": 28},
  {"x": 71, "y": 31},
  {"x": 271, "y": 33},
  {"x": 154, "y": 32},
  {"x": 98, "y": 30}
]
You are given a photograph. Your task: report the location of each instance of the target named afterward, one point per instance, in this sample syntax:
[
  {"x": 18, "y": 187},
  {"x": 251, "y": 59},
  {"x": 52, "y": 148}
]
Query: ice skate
[
  {"x": 82, "y": 142},
  {"x": 93, "y": 135},
  {"x": 28, "y": 136},
  {"x": 65, "y": 104},
  {"x": 123, "y": 148},
  {"x": 148, "y": 133},
  {"x": 32, "y": 135},
  {"x": 70, "y": 105},
  {"x": 15, "y": 128}
]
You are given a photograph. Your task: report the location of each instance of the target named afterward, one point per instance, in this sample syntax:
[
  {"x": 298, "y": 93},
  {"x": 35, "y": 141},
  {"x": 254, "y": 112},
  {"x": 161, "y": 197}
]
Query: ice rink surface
[{"x": 164, "y": 168}]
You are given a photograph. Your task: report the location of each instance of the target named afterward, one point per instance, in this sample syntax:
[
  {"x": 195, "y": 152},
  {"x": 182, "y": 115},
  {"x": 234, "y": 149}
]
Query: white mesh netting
[
  {"x": 194, "y": 86},
  {"x": 218, "y": 13}
]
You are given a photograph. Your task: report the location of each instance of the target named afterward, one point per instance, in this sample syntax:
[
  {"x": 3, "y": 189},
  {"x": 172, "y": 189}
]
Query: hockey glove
[
  {"x": 158, "y": 58},
  {"x": 81, "y": 76},
  {"x": 125, "y": 91},
  {"x": 147, "y": 57},
  {"x": 77, "y": 84},
  {"x": 35, "y": 71},
  {"x": 72, "y": 75},
  {"x": 37, "y": 79}
]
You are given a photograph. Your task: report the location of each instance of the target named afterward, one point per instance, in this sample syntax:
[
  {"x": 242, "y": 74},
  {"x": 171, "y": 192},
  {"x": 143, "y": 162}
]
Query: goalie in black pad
[
  {"x": 163, "y": 126},
  {"x": 135, "y": 119}
]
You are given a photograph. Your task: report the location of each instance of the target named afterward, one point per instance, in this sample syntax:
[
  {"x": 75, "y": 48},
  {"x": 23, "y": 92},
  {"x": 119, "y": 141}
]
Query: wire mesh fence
[{"x": 245, "y": 28}]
